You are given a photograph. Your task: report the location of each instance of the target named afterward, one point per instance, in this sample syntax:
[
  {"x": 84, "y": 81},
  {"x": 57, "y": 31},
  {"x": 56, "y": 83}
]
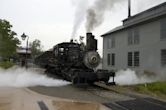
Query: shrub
[{"x": 6, "y": 64}]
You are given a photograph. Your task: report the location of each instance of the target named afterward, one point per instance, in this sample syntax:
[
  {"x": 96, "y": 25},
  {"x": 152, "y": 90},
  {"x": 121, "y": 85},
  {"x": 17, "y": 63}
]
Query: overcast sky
[{"x": 51, "y": 21}]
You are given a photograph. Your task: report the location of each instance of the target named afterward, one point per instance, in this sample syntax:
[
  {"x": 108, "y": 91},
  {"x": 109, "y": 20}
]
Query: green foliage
[
  {"x": 36, "y": 48},
  {"x": 8, "y": 43},
  {"x": 155, "y": 88},
  {"x": 158, "y": 87},
  {"x": 6, "y": 64}
]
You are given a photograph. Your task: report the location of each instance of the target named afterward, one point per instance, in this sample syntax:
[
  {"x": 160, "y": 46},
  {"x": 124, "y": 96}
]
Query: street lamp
[{"x": 24, "y": 36}]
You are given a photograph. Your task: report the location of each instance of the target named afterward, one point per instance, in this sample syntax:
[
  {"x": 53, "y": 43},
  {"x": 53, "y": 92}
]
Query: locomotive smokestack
[
  {"x": 129, "y": 8},
  {"x": 88, "y": 35},
  {"x": 71, "y": 40},
  {"x": 91, "y": 42}
]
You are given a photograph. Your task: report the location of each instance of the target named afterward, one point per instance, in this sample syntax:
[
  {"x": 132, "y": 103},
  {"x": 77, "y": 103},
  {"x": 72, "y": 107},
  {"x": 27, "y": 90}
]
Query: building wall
[{"x": 149, "y": 47}]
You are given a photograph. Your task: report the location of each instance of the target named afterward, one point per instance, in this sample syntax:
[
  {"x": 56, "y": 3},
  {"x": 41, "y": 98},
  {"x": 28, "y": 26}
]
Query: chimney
[
  {"x": 71, "y": 40},
  {"x": 88, "y": 40},
  {"x": 129, "y": 8},
  {"x": 91, "y": 42}
]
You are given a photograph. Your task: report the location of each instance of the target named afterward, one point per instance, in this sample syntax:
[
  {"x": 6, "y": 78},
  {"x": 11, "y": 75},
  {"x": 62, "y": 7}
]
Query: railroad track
[
  {"x": 139, "y": 102},
  {"x": 115, "y": 89}
]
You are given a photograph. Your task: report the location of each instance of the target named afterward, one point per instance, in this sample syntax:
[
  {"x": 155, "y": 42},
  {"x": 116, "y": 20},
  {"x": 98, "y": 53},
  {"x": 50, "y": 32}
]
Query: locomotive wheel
[
  {"x": 75, "y": 80},
  {"x": 106, "y": 81}
]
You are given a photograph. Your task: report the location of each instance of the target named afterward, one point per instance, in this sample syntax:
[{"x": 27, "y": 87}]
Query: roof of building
[
  {"x": 22, "y": 50},
  {"x": 145, "y": 16},
  {"x": 114, "y": 30}
]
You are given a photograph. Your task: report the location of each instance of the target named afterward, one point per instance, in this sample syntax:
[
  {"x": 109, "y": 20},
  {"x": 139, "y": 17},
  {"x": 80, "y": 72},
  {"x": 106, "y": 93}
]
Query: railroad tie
[{"x": 42, "y": 105}]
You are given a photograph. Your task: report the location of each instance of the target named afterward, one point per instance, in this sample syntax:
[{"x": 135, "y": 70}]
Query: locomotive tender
[{"x": 75, "y": 62}]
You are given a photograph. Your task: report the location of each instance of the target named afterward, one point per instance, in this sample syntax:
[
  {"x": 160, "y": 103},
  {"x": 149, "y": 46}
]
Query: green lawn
[
  {"x": 156, "y": 88},
  {"x": 6, "y": 64}
]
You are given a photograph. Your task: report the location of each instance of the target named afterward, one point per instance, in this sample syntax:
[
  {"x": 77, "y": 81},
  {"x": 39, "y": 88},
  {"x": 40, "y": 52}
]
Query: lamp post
[{"x": 24, "y": 36}]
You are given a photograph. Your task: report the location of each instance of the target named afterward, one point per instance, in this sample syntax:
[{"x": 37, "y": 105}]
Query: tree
[
  {"x": 8, "y": 43},
  {"x": 36, "y": 48}
]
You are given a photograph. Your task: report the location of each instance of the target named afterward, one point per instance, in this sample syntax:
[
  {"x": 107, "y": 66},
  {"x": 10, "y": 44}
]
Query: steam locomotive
[{"x": 75, "y": 62}]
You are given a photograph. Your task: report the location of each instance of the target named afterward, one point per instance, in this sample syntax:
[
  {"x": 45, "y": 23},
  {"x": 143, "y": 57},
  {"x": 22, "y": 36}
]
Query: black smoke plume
[{"x": 95, "y": 13}]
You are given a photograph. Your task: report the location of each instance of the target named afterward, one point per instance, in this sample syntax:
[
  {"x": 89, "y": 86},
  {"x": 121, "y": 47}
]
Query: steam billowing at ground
[
  {"x": 20, "y": 77},
  {"x": 130, "y": 77}
]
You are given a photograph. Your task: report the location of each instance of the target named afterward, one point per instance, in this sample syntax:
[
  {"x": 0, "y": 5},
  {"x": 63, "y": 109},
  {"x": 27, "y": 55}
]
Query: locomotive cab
[{"x": 67, "y": 53}]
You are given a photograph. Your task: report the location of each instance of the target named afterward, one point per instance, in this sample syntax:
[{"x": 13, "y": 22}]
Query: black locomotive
[{"x": 75, "y": 62}]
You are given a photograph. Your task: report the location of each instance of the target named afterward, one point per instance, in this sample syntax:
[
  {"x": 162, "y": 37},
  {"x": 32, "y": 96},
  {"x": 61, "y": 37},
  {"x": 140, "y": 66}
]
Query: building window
[
  {"x": 163, "y": 29},
  {"x": 163, "y": 57},
  {"x": 111, "y": 42},
  {"x": 133, "y": 36},
  {"x": 108, "y": 59},
  {"x": 130, "y": 59},
  {"x": 136, "y": 36},
  {"x": 130, "y": 37},
  {"x": 133, "y": 59},
  {"x": 136, "y": 59},
  {"x": 113, "y": 59}
]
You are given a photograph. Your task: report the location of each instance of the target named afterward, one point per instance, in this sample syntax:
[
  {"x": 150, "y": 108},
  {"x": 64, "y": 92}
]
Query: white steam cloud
[
  {"x": 80, "y": 7},
  {"x": 93, "y": 11},
  {"x": 94, "y": 14},
  {"x": 20, "y": 77},
  {"x": 129, "y": 77}
]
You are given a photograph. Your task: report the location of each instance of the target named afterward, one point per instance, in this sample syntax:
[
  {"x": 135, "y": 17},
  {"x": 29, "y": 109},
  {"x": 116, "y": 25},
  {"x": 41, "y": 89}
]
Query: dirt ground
[
  {"x": 62, "y": 105},
  {"x": 25, "y": 99}
]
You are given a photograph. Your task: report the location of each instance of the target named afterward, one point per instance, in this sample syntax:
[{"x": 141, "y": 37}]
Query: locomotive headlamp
[{"x": 93, "y": 59}]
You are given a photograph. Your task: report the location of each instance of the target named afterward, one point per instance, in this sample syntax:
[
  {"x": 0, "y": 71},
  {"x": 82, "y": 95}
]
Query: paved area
[
  {"x": 71, "y": 97},
  {"x": 113, "y": 99},
  {"x": 90, "y": 93},
  {"x": 138, "y": 104},
  {"x": 77, "y": 99},
  {"x": 24, "y": 99}
]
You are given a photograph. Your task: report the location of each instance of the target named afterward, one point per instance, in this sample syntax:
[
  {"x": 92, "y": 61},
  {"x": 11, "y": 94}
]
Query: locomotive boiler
[{"x": 75, "y": 62}]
